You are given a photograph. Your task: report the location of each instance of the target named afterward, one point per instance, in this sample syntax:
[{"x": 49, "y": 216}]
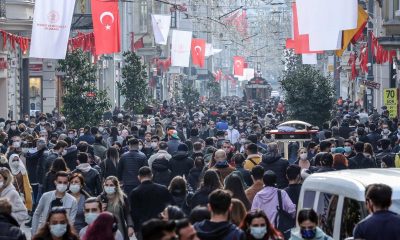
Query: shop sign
[{"x": 390, "y": 100}]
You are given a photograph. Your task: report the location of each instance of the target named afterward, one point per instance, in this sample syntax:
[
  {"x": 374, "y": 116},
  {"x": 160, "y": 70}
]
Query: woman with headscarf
[{"x": 21, "y": 180}]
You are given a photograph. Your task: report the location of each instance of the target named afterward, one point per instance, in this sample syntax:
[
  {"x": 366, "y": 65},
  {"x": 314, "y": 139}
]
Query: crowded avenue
[{"x": 199, "y": 120}]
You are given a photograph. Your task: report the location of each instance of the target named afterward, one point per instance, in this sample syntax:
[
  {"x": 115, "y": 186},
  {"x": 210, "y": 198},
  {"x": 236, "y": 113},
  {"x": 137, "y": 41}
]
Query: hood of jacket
[
  {"x": 267, "y": 194},
  {"x": 160, "y": 165},
  {"x": 8, "y": 219},
  {"x": 7, "y": 190},
  {"x": 271, "y": 157},
  {"x": 207, "y": 230},
  {"x": 180, "y": 156}
]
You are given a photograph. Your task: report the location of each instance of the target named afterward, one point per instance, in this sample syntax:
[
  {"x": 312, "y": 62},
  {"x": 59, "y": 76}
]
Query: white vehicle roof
[{"x": 352, "y": 183}]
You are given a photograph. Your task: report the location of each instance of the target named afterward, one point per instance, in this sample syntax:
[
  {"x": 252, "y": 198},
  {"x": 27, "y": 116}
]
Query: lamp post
[{"x": 369, "y": 101}]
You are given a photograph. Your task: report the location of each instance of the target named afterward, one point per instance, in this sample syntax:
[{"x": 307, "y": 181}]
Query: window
[
  {"x": 143, "y": 16},
  {"x": 326, "y": 210},
  {"x": 353, "y": 212},
  {"x": 173, "y": 19},
  {"x": 309, "y": 197},
  {"x": 35, "y": 94}
]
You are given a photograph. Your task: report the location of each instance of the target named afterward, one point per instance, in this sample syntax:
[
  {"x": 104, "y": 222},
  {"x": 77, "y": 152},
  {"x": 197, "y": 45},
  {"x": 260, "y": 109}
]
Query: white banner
[
  {"x": 51, "y": 26},
  {"x": 181, "y": 46},
  {"x": 211, "y": 51},
  {"x": 309, "y": 58},
  {"x": 161, "y": 25}
]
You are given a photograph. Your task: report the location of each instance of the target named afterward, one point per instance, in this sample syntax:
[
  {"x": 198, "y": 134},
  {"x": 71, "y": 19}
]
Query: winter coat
[
  {"x": 267, "y": 200},
  {"x": 33, "y": 160},
  {"x": 200, "y": 198},
  {"x": 207, "y": 230},
  {"x": 71, "y": 157},
  {"x": 92, "y": 179},
  {"x": 161, "y": 172},
  {"x": 173, "y": 146},
  {"x": 278, "y": 165},
  {"x": 108, "y": 168},
  {"x": 194, "y": 177},
  {"x": 129, "y": 165},
  {"x": 9, "y": 228},
  {"x": 19, "y": 211},
  {"x": 180, "y": 164},
  {"x": 99, "y": 150},
  {"x": 360, "y": 161}
]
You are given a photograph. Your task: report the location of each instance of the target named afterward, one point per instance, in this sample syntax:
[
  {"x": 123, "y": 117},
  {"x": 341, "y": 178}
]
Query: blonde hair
[
  {"x": 119, "y": 194},
  {"x": 8, "y": 178}
]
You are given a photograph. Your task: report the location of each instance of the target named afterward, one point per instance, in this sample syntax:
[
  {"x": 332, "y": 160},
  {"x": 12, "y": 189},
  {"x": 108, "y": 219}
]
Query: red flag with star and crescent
[
  {"x": 238, "y": 65},
  {"x": 106, "y": 26},
  {"x": 198, "y": 51}
]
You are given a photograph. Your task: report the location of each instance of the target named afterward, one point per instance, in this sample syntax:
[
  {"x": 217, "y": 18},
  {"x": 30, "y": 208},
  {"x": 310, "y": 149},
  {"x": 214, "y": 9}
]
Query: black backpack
[{"x": 284, "y": 222}]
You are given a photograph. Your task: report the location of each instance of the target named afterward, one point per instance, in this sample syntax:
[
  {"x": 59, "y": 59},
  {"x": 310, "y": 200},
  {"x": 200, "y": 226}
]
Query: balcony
[
  {"x": 391, "y": 24},
  {"x": 16, "y": 15}
]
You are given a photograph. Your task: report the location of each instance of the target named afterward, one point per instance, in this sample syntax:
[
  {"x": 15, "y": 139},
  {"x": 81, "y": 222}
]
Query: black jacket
[
  {"x": 9, "y": 228},
  {"x": 46, "y": 164},
  {"x": 383, "y": 154},
  {"x": 246, "y": 175},
  {"x": 129, "y": 165},
  {"x": 278, "y": 165},
  {"x": 200, "y": 198},
  {"x": 194, "y": 177},
  {"x": 207, "y": 230},
  {"x": 108, "y": 168},
  {"x": 360, "y": 161},
  {"x": 293, "y": 190},
  {"x": 147, "y": 201},
  {"x": 379, "y": 225},
  {"x": 92, "y": 178},
  {"x": 48, "y": 183},
  {"x": 373, "y": 139},
  {"x": 161, "y": 172},
  {"x": 33, "y": 161},
  {"x": 181, "y": 164},
  {"x": 70, "y": 158}
]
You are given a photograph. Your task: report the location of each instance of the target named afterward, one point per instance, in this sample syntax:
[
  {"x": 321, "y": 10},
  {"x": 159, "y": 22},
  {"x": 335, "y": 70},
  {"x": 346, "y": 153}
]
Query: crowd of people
[{"x": 213, "y": 172}]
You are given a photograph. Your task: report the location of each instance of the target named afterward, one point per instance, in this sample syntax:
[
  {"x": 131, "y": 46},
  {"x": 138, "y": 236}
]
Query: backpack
[{"x": 284, "y": 222}]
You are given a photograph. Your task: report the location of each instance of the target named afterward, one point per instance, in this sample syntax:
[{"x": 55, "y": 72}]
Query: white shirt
[{"x": 233, "y": 136}]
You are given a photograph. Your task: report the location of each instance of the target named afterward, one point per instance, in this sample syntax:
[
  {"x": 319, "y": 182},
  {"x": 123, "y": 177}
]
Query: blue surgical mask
[
  {"x": 258, "y": 232},
  {"x": 91, "y": 217},
  {"x": 58, "y": 230},
  {"x": 75, "y": 188},
  {"x": 109, "y": 190},
  {"x": 308, "y": 233},
  {"x": 333, "y": 150},
  {"x": 347, "y": 149},
  {"x": 221, "y": 163}
]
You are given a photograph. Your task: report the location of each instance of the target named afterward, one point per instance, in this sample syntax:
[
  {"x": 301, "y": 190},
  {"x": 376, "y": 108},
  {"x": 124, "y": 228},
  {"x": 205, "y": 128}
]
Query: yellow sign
[{"x": 390, "y": 100}]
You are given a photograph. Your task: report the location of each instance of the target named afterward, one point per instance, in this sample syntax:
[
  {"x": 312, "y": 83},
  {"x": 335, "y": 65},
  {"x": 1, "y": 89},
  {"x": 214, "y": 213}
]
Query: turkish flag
[
  {"x": 138, "y": 44},
  {"x": 198, "y": 51},
  {"x": 238, "y": 65},
  {"x": 300, "y": 42},
  {"x": 105, "y": 17}
]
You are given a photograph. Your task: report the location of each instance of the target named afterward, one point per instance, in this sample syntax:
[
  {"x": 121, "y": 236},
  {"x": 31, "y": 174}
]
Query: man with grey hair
[
  {"x": 222, "y": 166},
  {"x": 273, "y": 160}
]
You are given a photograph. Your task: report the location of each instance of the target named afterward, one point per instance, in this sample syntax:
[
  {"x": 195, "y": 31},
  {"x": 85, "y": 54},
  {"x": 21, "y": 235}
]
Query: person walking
[
  {"x": 9, "y": 227},
  {"x": 307, "y": 220}
]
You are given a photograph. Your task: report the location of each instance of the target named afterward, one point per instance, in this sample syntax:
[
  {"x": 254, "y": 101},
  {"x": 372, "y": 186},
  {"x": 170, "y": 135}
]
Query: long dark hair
[
  {"x": 272, "y": 232},
  {"x": 113, "y": 155},
  {"x": 114, "y": 134},
  {"x": 44, "y": 231},
  {"x": 234, "y": 184},
  {"x": 59, "y": 165},
  {"x": 210, "y": 181}
]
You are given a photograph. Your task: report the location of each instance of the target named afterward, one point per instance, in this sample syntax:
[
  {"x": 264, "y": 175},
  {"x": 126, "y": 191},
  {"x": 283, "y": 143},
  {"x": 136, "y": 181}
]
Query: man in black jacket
[
  {"x": 294, "y": 177},
  {"x": 181, "y": 162},
  {"x": 9, "y": 228},
  {"x": 129, "y": 165},
  {"x": 273, "y": 161},
  {"x": 360, "y": 161},
  {"x": 91, "y": 175},
  {"x": 386, "y": 152},
  {"x": 148, "y": 199},
  {"x": 373, "y": 136}
]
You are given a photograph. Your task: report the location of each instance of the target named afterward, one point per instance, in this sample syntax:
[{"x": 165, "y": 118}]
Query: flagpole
[{"x": 369, "y": 103}]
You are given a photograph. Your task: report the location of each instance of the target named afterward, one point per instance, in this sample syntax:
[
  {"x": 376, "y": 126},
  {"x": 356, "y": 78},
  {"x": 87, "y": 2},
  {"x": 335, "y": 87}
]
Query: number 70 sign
[{"x": 390, "y": 100}]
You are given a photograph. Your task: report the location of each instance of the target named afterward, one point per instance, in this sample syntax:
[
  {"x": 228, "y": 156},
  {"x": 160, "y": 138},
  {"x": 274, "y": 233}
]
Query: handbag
[{"x": 284, "y": 221}]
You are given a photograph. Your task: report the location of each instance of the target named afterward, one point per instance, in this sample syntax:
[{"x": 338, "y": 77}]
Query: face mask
[
  {"x": 303, "y": 156},
  {"x": 308, "y": 233},
  {"x": 240, "y": 124},
  {"x": 347, "y": 149},
  {"x": 1, "y": 184},
  {"x": 101, "y": 129},
  {"x": 13, "y": 127},
  {"x": 31, "y": 129},
  {"x": 386, "y": 131},
  {"x": 17, "y": 144},
  {"x": 74, "y": 188},
  {"x": 15, "y": 164},
  {"x": 249, "y": 130},
  {"x": 258, "y": 232},
  {"x": 230, "y": 127},
  {"x": 333, "y": 150},
  {"x": 109, "y": 190},
  {"x": 81, "y": 134},
  {"x": 140, "y": 148},
  {"x": 71, "y": 136},
  {"x": 61, "y": 187},
  {"x": 154, "y": 145},
  {"x": 58, "y": 230},
  {"x": 90, "y": 217},
  {"x": 242, "y": 141},
  {"x": 42, "y": 123},
  {"x": 64, "y": 152}
]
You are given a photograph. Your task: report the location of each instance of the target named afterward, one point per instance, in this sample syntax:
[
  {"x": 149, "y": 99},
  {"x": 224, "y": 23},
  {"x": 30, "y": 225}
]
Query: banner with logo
[
  {"x": 51, "y": 27},
  {"x": 105, "y": 17},
  {"x": 238, "y": 66},
  {"x": 181, "y": 45},
  {"x": 161, "y": 25},
  {"x": 198, "y": 51}
]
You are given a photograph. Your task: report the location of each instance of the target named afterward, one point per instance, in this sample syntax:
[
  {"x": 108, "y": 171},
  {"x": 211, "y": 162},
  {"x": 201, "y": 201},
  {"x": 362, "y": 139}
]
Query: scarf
[{"x": 20, "y": 168}]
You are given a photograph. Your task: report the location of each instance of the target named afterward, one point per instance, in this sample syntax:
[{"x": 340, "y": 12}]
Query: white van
[{"x": 339, "y": 197}]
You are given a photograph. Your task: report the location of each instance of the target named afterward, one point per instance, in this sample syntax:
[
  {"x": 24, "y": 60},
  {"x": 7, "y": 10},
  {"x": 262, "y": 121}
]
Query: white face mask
[
  {"x": 15, "y": 164},
  {"x": 258, "y": 232},
  {"x": 1, "y": 184},
  {"x": 75, "y": 188},
  {"x": 13, "y": 127},
  {"x": 109, "y": 190},
  {"x": 91, "y": 217},
  {"x": 61, "y": 187},
  {"x": 58, "y": 230},
  {"x": 17, "y": 144},
  {"x": 154, "y": 145},
  {"x": 140, "y": 148},
  {"x": 303, "y": 156},
  {"x": 101, "y": 129}
]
